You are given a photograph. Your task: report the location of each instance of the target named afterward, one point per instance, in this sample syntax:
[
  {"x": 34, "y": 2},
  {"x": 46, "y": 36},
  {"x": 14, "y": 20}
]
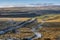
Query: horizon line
[{"x": 33, "y": 5}]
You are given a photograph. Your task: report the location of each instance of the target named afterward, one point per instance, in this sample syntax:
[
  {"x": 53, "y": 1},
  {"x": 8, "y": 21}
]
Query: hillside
[
  {"x": 53, "y": 7},
  {"x": 28, "y": 10}
]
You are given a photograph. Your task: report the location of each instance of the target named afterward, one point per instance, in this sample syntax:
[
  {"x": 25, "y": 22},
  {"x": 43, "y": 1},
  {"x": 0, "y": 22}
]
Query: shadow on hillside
[{"x": 51, "y": 24}]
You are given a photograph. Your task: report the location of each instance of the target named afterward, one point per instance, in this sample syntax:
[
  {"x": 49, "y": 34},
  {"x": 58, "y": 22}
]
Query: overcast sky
[{"x": 26, "y": 2}]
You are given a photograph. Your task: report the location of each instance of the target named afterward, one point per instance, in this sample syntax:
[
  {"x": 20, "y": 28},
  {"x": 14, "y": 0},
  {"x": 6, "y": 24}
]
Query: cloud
[
  {"x": 26, "y": 5},
  {"x": 6, "y": 6}
]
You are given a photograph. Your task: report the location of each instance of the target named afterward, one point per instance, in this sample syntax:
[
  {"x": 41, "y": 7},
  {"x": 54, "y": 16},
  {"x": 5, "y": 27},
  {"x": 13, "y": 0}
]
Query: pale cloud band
[{"x": 27, "y": 3}]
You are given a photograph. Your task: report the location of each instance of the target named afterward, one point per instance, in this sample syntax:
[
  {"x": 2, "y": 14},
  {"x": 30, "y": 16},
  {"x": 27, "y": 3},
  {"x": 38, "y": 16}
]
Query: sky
[{"x": 27, "y": 2}]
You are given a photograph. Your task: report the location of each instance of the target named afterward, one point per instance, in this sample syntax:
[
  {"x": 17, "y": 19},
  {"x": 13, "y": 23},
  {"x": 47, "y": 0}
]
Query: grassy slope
[{"x": 49, "y": 18}]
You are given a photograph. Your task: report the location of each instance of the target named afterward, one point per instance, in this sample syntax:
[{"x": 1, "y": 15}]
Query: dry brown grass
[
  {"x": 14, "y": 19},
  {"x": 50, "y": 18},
  {"x": 52, "y": 33},
  {"x": 24, "y": 32},
  {"x": 55, "y": 20}
]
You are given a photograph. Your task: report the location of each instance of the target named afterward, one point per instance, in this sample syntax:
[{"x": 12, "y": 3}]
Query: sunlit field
[
  {"x": 49, "y": 18},
  {"x": 14, "y": 19}
]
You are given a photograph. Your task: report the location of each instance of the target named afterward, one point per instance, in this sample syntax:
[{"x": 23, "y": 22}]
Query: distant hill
[
  {"x": 30, "y": 10},
  {"x": 51, "y": 7}
]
